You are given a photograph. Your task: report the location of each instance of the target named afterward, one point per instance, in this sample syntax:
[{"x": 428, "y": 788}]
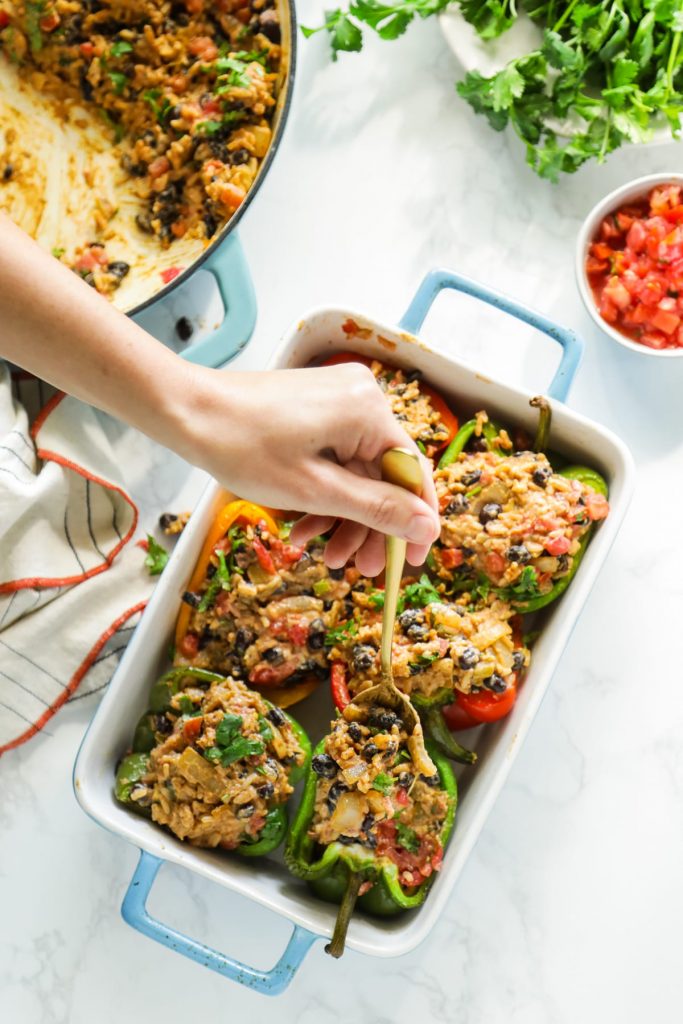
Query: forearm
[{"x": 56, "y": 326}]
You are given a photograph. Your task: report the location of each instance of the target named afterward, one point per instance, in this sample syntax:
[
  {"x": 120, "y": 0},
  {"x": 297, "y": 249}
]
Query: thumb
[{"x": 377, "y": 505}]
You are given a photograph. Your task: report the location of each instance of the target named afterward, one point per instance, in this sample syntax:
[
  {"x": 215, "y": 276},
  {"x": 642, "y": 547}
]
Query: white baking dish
[{"x": 267, "y": 881}]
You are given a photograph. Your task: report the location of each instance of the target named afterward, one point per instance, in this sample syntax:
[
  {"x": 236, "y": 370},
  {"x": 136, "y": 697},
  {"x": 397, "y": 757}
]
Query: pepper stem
[
  {"x": 336, "y": 947},
  {"x": 438, "y": 731},
  {"x": 544, "y": 418}
]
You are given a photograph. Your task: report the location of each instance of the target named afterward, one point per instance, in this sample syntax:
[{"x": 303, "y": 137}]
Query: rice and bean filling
[
  {"x": 440, "y": 642},
  {"x": 263, "y": 611},
  {"x": 222, "y": 767},
  {"x": 511, "y": 518},
  {"x": 369, "y": 793},
  {"x": 188, "y": 87},
  {"x": 411, "y": 405}
]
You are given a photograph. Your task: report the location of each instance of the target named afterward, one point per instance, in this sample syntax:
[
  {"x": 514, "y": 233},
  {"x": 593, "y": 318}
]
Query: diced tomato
[
  {"x": 263, "y": 555},
  {"x": 189, "y": 645},
  {"x": 351, "y": 575},
  {"x": 602, "y": 251},
  {"x": 298, "y": 633},
  {"x": 273, "y": 675},
  {"x": 451, "y": 558},
  {"x": 609, "y": 229},
  {"x": 597, "y": 506},
  {"x": 494, "y": 564},
  {"x": 401, "y": 797},
  {"x": 87, "y": 49},
  {"x": 210, "y": 104},
  {"x": 232, "y": 195},
  {"x": 49, "y": 22},
  {"x": 204, "y": 47},
  {"x": 192, "y": 728},
  {"x": 665, "y": 321},
  {"x": 557, "y": 546},
  {"x": 339, "y": 686},
  {"x": 547, "y": 525},
  {"x": 158, "y": 167},
  {"x": 617, "y": 293},
  {"x": 4, "y": 20},
  {"x": 169, "y": 274}
]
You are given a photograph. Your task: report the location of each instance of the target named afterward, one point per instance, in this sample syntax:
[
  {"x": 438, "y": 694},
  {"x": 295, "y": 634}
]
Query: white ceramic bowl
[{"x": 624, "y": 194}]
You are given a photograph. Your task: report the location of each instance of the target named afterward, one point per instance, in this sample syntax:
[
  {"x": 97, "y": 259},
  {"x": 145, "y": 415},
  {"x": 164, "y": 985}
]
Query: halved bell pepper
[
  {"x": 339, "y": 873},
  {"x": 439, "y": 404},
  {"x": 135, "y": 765},
  {"x": 584, "y": 474},
  {"x": 236, "y": 513}
]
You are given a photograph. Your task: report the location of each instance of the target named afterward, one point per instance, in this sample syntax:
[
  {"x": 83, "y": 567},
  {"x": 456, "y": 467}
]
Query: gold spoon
[{"x": 400, "y": 467}]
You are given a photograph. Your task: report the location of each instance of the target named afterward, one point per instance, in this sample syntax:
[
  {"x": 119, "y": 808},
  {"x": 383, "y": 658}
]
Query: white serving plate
[
  {"x": 267, "y": 881},
  {"x": 488, "y": 56}
]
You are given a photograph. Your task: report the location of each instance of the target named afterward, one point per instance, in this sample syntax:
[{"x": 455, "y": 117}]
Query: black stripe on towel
[{"x": 98, "y": 549}]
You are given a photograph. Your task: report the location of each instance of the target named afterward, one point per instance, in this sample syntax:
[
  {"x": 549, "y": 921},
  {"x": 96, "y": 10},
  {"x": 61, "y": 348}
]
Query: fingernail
[{"x": 420, "y": 530}]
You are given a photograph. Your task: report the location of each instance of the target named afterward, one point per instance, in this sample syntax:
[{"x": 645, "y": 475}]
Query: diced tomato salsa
[{"x": 635, "y": 269}]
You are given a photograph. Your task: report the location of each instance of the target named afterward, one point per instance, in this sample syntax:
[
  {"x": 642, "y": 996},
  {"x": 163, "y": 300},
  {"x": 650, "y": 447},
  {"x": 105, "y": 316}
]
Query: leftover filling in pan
[
  {"x": 220, "y": 765},
  {"x": 512, "y": 519},
  {"x": 188, "y": 88}
]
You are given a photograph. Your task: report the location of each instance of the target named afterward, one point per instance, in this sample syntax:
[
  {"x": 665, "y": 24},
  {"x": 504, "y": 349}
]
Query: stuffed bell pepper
[
  {"x": 257, "y": 607},
  {"x": 509, "y": 521},
  {"x": 214, "y": 762},
  {"x": 370, "y": 829}
]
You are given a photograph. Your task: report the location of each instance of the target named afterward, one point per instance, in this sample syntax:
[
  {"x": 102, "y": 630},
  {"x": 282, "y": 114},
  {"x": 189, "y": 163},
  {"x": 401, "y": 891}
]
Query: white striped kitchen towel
[{"x": 72, "y": 585}]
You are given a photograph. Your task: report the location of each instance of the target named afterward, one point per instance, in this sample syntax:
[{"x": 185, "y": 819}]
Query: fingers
[
  {"x": 344, "y": 543},
  {"x": 308, "y": 527},
  {"x": 375, "y": 504},
  {"x": 370, "y": 556}
]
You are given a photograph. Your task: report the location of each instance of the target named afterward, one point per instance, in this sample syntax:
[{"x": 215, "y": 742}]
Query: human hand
[{"x": 311, "y": 440}]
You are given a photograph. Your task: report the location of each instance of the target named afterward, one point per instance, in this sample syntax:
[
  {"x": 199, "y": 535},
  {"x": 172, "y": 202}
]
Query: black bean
[
  {"x": 189, "y": 597},
  {"x": 370, "y": 840},
  {"x": 541, "y": 475},
  {"x": 468, "y": 659},
  {"x": 409, "y": 618},
  {"x": 163, "y": 725},
  {"x": 412, "y": 375},
  {"x": 243, "y": 639},
  {"x": 274, "y": 655},
  {"x": 210, "y": 225},
  {"x": 276, "y": 716},
  {"x": 327, "y": 605},
  {"x": 184, "y": 328},
  {"x": 335, "y": 791},
  {"x": 457, "y": 505},
  {"x": 417, "y": 632},
  {"x": 266, "y": 790},
  {"x": 118, "y": 269},
  {"x": 368, "y": 821},
  {"x": 491, "y": 510},
  {"x": 245, "y": 811},
  {"x": 86, "y": 87},
  {"x": 324, "y": 765},
  {"x": 355, "y": 732},
  {"x": 316, "y": 635},
  {"x": 479, "y": 444},
  {"x": 473, "y": 477},
  {"x": 336, "y": 574},
  {"x": 384, "y": 719},
  {"x": 238, "y": 156},
  {"x": 406, "y": 779},
  {"x": 144, "y": 222},
  {"x": 563, "y": 563},
  {"x": 7, "y": 173},
  {"x": 495, "y": 683},
  {"x": 363, "y": 657},
  {"x": 269, "y": 25},
  {"x": 431, "y": 780},
  {"x": 519, "y": 553},
  {"x": 347, "y": 840},
  {"x": 370, "y": 750},
  {"x": 518, "y": 660}
]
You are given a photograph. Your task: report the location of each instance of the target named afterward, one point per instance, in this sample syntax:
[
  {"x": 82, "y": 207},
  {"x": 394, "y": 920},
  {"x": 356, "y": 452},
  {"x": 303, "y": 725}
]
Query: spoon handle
[{"x": 400, "y": 467}]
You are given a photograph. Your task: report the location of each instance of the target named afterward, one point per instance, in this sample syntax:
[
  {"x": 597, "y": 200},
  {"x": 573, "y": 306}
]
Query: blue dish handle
[
  {"x": 437, "y": 280},
  {"x": 270, "y": 983},
  {"x": 229, "y": 267}
]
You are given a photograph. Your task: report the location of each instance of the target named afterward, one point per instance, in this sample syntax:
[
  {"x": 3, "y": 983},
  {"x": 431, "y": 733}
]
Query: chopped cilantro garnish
[
  {"x": 231, "y": 745},
  {"x": 407, "y": 838},
  {"x": 58, "y": 252},
  {"x": 420, "y": 594},
  {"x": 382, "y": 782},
  {"x": 119, "y": 48},
  {"x": 338, "y": 634},
  {"x": 156, "y": 557}
]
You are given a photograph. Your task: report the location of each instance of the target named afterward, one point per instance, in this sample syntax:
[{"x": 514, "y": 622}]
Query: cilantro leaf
[
  {"x": 119, "y": 48},
  {"x": 227, "y": 729},
  {"x": 383, "y": 782},
  {"x": 407, "y": 837},
  {"x": 420, "y": 594},
  {"x": 338, "y": 634},
  {"x": 156, "y": 557}
]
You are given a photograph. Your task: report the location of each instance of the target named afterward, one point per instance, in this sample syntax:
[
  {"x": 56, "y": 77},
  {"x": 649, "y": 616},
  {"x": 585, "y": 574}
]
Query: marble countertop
[{"x": 569, "y": 908}]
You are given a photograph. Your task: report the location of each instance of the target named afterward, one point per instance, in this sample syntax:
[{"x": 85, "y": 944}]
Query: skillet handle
[
  {"x": 270, "y": 983},
  {"x": 436, "y": 280},
  {"x": 229, "y": 268}
]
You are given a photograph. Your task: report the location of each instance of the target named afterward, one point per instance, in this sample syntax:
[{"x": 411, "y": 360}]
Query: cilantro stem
[
  {"x": 567, "y": 11},
  {"x": 671, "y": 64}
]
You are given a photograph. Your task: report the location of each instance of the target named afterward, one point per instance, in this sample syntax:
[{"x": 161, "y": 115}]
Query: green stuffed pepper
[
  {"x": 214, "y": 762},
  {"x": 370, "y": 829},
  {"x": 511, "y": 524}
]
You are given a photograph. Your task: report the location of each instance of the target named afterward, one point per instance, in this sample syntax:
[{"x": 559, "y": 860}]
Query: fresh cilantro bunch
[{"x": 606, "y": 72}]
